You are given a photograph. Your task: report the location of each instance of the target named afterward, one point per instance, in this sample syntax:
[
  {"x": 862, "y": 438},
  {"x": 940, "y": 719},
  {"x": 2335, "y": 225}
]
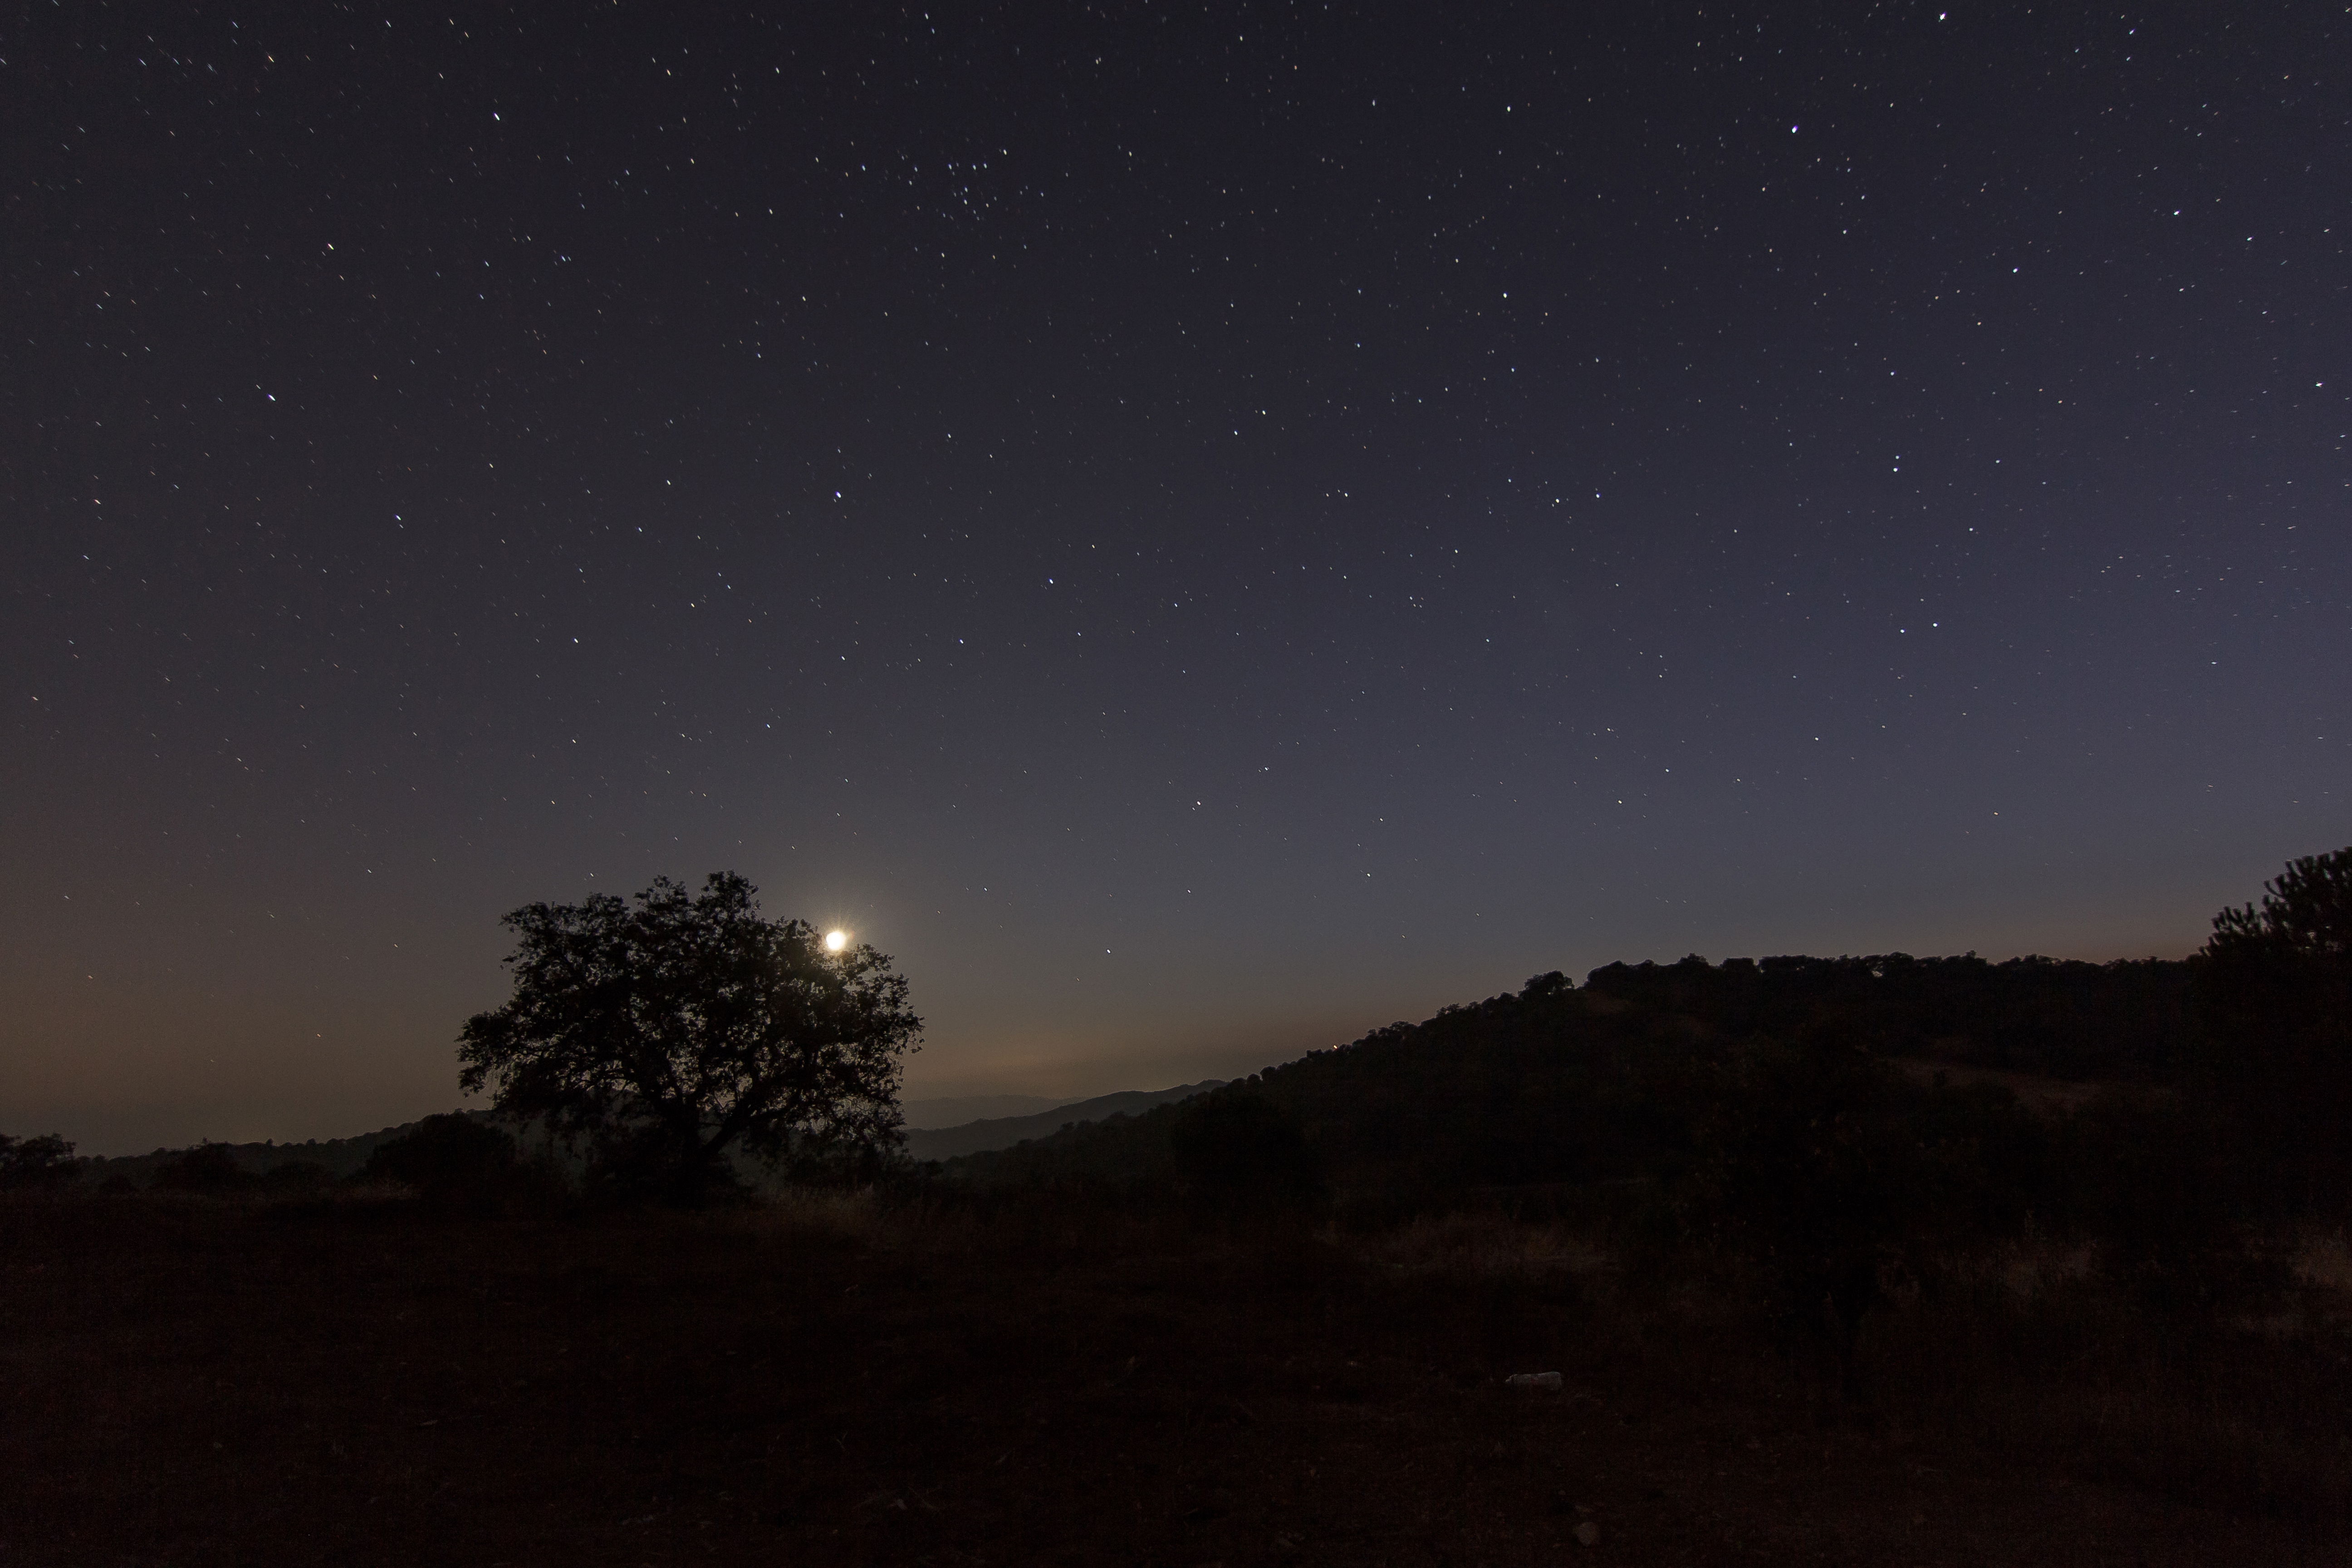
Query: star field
[{"x": 1201, "y": 530}]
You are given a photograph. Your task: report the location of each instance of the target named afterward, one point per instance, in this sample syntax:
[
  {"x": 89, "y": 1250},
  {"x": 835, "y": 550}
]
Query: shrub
[
  {"x": 2163, "y": 1194},
  {"x": 209, "y": 1167},
  {"x": 297, "y": 1178},
  {"x": 1805, "y": 1169},
  {"x": 453, "y": 1160}
]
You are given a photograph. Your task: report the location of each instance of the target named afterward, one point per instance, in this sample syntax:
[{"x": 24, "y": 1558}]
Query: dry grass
[
  {"x": 1477, "y": 1246},
  {"x": 2323, "y": 1264},
  {"x": 2018, "y": 1350},
  {"x": 856, "y": 1214},
  {"x": 2049, "y": 1096}
]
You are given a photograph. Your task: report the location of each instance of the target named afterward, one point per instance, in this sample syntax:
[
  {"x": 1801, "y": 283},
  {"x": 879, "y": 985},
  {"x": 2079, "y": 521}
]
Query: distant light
[{"x": 835, "y": 940}]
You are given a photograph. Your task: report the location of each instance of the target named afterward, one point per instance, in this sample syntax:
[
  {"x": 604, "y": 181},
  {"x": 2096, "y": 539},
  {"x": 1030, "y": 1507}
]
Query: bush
[
  {"x": 1806, "y": 1170},
  {"x": 647, "y": 1163},
  {"x": 453, "y": 1163},
  {"x": 2164, "y": 1196},
  {"x": 297, "y": 1178},
  {"x": 209, "y": 1167}
]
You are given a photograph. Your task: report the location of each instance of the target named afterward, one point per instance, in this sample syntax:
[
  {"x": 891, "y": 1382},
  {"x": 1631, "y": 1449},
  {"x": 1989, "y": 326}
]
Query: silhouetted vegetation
[
  {"x": 1840, "y": 1128},
  {"x": 208, "y": 1167},
  {"x": 1233, "y": 1149},
  {"x": 297, "y": 1178},
  {"x": 2274, "y": 996},
  {"x": 339, "y": 1158},
  {"x": 43, "y": 1162},
  {"x": 669, "y": 1035},
  {"x": 454, "y": 1161},
  {"x": 2129, "y": 1019}
]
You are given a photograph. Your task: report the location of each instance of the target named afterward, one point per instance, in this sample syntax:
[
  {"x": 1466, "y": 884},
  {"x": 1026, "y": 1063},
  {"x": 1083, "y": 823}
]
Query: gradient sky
[{"x": 1201, "y": 530}]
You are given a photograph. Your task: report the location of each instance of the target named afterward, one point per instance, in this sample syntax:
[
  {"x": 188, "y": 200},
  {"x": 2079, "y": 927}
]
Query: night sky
[{"x": 1201, "y": 531}]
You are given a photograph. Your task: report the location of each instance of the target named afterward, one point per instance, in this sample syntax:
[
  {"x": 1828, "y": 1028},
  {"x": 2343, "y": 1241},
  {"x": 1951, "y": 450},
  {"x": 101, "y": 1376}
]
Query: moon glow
[{"x": 835, "y": 940}]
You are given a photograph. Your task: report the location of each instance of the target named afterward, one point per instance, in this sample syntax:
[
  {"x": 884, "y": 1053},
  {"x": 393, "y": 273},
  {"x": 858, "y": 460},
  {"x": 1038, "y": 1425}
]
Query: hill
[
  {"x": 1005, "y": 1131},
  {"x": 955, "y": 1110},
  {"x": 1550, "y": 1084},
  {"x": 1623, "y": 1081}
]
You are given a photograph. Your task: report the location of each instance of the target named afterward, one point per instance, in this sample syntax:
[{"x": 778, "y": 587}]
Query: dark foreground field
[{"x": 194, "y": 1382}]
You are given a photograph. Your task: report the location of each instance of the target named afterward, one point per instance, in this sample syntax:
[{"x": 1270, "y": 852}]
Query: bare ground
[{"x": 188, "y": 1383}]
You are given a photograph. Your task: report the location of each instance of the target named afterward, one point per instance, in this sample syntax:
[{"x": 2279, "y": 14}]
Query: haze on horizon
[{"x": 1198, "y": 536}]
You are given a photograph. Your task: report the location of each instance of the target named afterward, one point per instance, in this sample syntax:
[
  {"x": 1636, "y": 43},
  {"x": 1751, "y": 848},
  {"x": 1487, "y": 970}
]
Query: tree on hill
[
  {"x": 670, "y": 1033},
  {"x": 2274, "y": 989},
  {"x": 2069, "y": 1019},
  {"x": 41, "y": 1162}
]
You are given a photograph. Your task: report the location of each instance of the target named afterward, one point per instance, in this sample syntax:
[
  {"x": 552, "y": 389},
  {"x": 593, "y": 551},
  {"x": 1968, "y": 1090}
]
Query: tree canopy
[
  {"x": 2275, "y": 987},
  {"x": 2306, "y": 911},
  {"x": 672, "y": 1031},
  {"x": 41, "y": 1162}
]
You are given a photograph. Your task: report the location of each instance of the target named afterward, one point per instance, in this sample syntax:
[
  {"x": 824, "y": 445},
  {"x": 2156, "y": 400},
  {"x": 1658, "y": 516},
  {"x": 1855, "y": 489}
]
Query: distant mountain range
[
  {"x": 1005, "y": 1131},
  {"x": 982, "y": 1123},
  {"x": 954, "y": 1112}
]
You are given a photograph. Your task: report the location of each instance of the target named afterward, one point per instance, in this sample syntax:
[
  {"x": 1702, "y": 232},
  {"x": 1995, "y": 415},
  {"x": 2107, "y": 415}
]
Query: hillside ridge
[{"x": 1005, "y": 1131}]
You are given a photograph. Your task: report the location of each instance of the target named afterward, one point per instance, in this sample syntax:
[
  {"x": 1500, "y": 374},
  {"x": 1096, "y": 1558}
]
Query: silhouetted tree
[
  {"x": 670, "y": 1033},
  {"x": 2274, "y": 993},
  {"x": 2306, "y": 910},
  {"x": 2127, "y": 1018},
  {"x": 41, "y": 1162}
]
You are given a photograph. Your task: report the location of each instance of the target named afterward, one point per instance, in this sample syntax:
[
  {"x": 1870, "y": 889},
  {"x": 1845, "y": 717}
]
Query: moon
[{"x": 835, "y": 940}]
